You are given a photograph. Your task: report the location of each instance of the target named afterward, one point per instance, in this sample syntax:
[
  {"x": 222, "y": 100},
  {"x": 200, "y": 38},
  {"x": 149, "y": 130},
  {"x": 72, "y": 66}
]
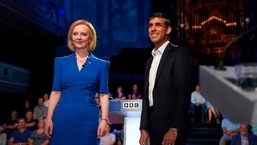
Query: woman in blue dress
[{"x": 73, "y": 114}]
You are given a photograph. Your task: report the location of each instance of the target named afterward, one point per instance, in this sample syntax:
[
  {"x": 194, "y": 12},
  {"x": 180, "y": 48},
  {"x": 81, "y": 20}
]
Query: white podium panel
[
  {"x": 217, "y": 86},
  {"x": 132, "y": 133},
  {"x": 127, "y": 112}
]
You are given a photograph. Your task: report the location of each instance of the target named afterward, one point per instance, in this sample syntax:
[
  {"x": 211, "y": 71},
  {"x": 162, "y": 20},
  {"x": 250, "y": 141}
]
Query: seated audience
[
  {"x": 109, "y": 138},
  {"x": 3, "y": 138},
  {"x": 20, "y": 135},
  {"x": 97, "y": 100},
  {"x": 38, "y": 137},
  {"x": 229, "y": 129},
  {"x": 40, "y": 110},
  {"x": 123, "y": 97},
  {"x": 46, "y": 99},
  {"x": 11, "y": 124},
  {"x": 119, "y": 136},
  {"x": 27, "y": 106},
  {"x": 135, "y": 91},
  {"x": 254, "y": 128},
  {"x": 31, "y": 123},
  {"x": 212, "y": 111},
  {"x": 133, "y": 96},
  {"x": 244, "y": 137},
  {"x": 119, "y": 93},
  {"x": 197, "y": 100}
]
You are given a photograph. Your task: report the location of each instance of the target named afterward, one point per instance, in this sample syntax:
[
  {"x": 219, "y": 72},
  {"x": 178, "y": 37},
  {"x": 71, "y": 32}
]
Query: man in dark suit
[
  {"x": 244, "y": 137},
  {"x": 167, "y": 88}
]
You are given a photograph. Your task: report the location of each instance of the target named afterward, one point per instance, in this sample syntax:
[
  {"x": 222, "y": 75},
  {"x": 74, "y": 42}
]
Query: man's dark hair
[{"x": 160, "y": 15}]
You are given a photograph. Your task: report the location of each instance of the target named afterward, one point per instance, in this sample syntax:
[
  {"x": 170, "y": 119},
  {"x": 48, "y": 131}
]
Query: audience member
[
  {"x": 31, "y": 123},
  {"x": 119, "y": 136},
  {"x": 229, "y": 129},
  {"x": 197, "y": 100},
  {"x": 212, "y": 111},
  {"x": 20, "y": 135},
  {"x": 27, "y": 106},
  {"x": 40, "y": 110},
  {"x": 11, "y": 124},
  {"x": 244, "y": 137},
  {"x": 119, "y": 93},
  {"x": 97, "y": 99},
  {"x": 123, "y": 97},
  {"x": 135, "y": 91},
  {"x": 109, "y": 138},
  {"x": 3, "y": 137},
  {"x": 46, "y": 99},
  {"x": 38, "y": 137},
  {"x": 254, "y": 128}
]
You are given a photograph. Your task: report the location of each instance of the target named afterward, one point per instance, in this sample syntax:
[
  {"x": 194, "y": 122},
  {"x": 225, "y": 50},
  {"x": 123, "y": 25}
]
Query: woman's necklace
[{"x": 82, "y": 60}]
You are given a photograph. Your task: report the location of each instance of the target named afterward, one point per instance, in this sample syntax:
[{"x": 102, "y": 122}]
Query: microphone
[
  {"x": 84, "y": 64},
  {"x": 220, "y": 65}
]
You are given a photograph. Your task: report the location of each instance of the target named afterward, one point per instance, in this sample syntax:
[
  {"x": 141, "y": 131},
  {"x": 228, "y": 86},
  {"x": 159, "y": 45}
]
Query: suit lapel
[
  {"x": 162, "y": 61},
  {"x": 148, "y": 67}
]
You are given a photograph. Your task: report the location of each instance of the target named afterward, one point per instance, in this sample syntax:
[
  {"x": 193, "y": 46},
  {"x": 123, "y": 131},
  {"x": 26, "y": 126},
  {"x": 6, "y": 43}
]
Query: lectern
[
  {"x": 127, "y": 112},
  {"x": 219, "y": 87}
]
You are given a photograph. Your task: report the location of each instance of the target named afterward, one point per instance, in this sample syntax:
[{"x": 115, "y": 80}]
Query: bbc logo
[{"x": 131, "y": 105}]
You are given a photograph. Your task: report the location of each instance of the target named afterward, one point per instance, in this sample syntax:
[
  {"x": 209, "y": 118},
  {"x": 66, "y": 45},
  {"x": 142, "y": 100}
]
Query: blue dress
[{"x": 76, "y": 115}]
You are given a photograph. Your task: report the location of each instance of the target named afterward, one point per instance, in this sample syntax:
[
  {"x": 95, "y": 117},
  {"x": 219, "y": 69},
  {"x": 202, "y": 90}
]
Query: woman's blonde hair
[{"x": 92, "y": 33}]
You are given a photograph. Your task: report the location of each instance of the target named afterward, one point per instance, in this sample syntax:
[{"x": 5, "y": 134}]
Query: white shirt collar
[{"x": 160, "y": 50}]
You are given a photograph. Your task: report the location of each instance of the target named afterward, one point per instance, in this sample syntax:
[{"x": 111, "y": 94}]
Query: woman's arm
[
  {"x": 54, "y": 98},
  {"x": 104, "y": 101}
]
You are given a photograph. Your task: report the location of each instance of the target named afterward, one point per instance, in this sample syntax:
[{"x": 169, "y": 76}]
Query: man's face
[
  {"x": 21, "y": 123},
  {"x": 14, "y": 114},
  {"x": 158, "y": 31},
  {"x": 40, "y": 102},
  {"x": 197, "y": 88},
  {"x": 244, "y": 129},
  {"x": 29, "y": 115}
]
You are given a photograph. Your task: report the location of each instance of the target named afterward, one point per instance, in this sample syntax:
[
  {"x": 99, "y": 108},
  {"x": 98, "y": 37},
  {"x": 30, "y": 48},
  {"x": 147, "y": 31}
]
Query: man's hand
[
  {"x": 197, "y": 104},
  {"x": 143, "y": 137},
  {"x": 170, "y": 137}
]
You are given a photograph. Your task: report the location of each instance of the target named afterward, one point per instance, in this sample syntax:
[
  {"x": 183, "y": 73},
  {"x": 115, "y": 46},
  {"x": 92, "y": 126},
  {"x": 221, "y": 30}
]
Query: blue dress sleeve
[
  {"x": 104, "y": 77},
  {"x": 56, "y": 86}
]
